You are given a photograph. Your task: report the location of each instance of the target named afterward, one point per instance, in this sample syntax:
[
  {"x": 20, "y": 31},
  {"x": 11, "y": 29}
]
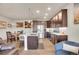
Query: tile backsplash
[
  {"x": 57, "y": 30},
  {"x": 63, "y": 29}
]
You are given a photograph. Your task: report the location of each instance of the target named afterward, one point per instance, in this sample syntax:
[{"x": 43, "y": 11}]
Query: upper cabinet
[
  {"x": 64, "y": 18},
  {"x": 48, "y": 24},
  {"x": 60, "y": 19}
]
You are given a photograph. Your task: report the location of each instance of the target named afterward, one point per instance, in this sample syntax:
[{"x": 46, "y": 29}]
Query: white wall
[
  {"x": 18, "y": 29},
  {"x": 13, "y": 29},
  {"x": 73, "y": 29},
  {"x": 3, "y": 31}
]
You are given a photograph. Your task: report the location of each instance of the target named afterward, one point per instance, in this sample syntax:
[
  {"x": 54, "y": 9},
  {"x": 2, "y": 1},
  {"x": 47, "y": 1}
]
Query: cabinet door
[
  {"x": 48, "y": 24},
  {"x": 52, "y": 24},
  {"x": 56, "y": 21},
  {"x": 60, "y": 19},
  {"x": 64, "y": 18},
  {"x": 58, "y": 25},
  {"x": 61, "y": 38},
  {"x": 32, "y": 42}
]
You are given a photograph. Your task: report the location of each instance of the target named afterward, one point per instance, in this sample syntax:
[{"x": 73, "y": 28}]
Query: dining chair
[{"x": 10, "y": 37}]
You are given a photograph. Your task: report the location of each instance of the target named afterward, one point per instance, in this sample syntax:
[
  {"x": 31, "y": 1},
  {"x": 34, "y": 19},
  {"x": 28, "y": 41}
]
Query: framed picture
[
  {"x": 19, "y": 24},
  {"x": 76, "y": 15},
  {"x": 3, "y": 24},
  {"x": 28, "y": 24}
]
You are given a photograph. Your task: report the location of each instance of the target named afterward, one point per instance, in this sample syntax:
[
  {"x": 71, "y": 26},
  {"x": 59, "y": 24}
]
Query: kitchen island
[
  {"x": 48, "y": 49},
  {"x": 30, "y": 40}
]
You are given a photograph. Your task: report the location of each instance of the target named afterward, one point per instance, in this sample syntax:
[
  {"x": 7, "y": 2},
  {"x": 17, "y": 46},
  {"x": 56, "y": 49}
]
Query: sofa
[
  {"x": 61, "y": 50},
  {"x": 5, "y": 46}
]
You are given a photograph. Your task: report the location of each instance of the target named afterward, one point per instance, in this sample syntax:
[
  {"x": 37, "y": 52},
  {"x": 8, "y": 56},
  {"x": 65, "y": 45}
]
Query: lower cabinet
[
  {"x": 58, "y": 38},
  {"x": 32, "y": 42},
  {"x": 61, "y": 38}
]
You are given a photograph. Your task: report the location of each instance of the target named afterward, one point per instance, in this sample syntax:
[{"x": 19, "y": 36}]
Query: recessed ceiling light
[
  {"x": 37, "y": 11},
  {"x": 49, "y": 8},
  {"x": 46, "y": 14},
  {"x": 45, "y": 17}
]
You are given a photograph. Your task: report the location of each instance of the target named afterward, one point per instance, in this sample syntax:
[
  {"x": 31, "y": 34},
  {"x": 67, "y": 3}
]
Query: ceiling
[{"x": 27, "y": 11}]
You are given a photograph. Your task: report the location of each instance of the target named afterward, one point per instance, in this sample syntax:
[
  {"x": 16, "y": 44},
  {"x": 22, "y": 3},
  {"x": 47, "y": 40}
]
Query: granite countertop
[{"x": 30, "y": 34}]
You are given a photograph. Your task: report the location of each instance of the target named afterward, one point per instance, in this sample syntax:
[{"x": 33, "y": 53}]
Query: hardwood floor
[{"x": 46, "y": 48}]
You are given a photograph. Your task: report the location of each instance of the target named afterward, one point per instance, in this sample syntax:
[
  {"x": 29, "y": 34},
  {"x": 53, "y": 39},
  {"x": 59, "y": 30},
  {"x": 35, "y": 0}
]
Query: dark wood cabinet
[
  {"x": 52, "y": 24},
  {"x": 48, "y": 24},
  {"x": 60, "y": 19},
  {"x": 64, "y": 18},
  {"x": 58, "y": 38},
  {"x": 32, "y": 42}
]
